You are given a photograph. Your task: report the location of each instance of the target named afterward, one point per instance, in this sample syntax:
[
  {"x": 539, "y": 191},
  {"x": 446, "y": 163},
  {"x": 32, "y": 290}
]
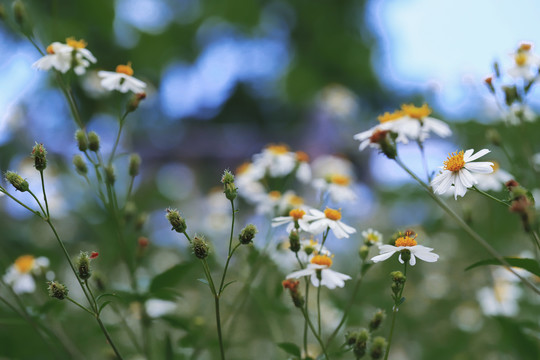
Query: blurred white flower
[
  {"x": 493, "y": 181},
  {"x": 321, "y": 264},
  {"x": 277, "y": 160},
  {"x": 525, "y": 63},
  {"x": 330, "y": 218},
  {"x": 408, "y": 245},
  {"x": 338, "y": 101},
  {"x": 156, "y": 307},
  {"x": 122, "y": 80},
  {"x": 520, "y": 112},
  {"x": 457, "y": 171},
  {"x": 502, "y": 298},
  {"x": 20, "y": 275},
  {"x": 337, "y": 186},
  {"x": 372, "y": 237},
  {"x": 62, "y": 57},
  {"x": 247, "y": 180}
]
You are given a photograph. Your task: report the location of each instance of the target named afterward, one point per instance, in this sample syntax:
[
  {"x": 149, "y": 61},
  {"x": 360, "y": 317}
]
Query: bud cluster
[
  {"x": 521, "y": 203},
  {"x": 200, "y": 247},
  {"x": 39, "y": 154},
  {"x": 177, "y": 222},
  {"x": 57, "y": 290},
  {"x": 229, "y": 188},
  {"x": 359, "y": 340},
  {"x": 292, "y": 286},
  {"x": 398, "y": 283},
  {"x": 247, "y": 234}
]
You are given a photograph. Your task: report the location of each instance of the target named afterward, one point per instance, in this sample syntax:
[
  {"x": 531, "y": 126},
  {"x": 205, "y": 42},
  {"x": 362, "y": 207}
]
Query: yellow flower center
[
  {"x": 302, "y": 156},
  {"x": 495, "y": 166},
  {"x": 243, "y": 168},
  {"x": 25, "y": 263},
  {"x": 455, "y": 161},
  {"x": 525, "y": 47},
  {"x": 416, "y": 112},
  {"x": 390, "y": 116},
  {"x": 77, "y": 44},
  {"x": 50, "y": 49},
  {"x": 405, "y": 241},
  {"x": 274, "y": 195},
  {"x": 339, "y": 179},
  {"x": 520, "y": 58},
  {"x": 297, "y": 213},
  {"x": 332, "y": 214},
  {"x": 296, "y": 200},
  {"x": 125, "y": 69},
  {"x": 321, "y": 260},
  {"x": 279, "y": 149}
]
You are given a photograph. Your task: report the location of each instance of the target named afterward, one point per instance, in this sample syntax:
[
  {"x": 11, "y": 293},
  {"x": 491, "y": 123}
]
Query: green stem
[
  {"x": 535, "y": 238},
  {"x": 218, "y": 322},
  {"x": 467, "y": 228},
  {"x": 306, "y": 310},
  {"x": 128, "y": 329},
  {"x": 226, "y": 267},
  {"x": 395, "y": 309},
  {"x": 44, "y": 193},
  {"x": 424, "y": 160},
  {"x": 323, "y": 348},
  {"x": 490, "y": 196},
  {"x": 37, "y": 213},
  {"x": 111, "y": 343},
  {"x": 325, "y": 235},
  {"x": 82, "y": 307},
  {"x": 122, "y": 121},
  {"x": 38, "y": 202},
  {"x": 96, "y": 307},
  {"x": 319, "y": 308}
]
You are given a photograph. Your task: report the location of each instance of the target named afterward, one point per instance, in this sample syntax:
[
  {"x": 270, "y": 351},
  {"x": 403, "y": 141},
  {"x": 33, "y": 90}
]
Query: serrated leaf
[
  {"x": 290, "y": 348},
  {"x": 527, "y": 264}
]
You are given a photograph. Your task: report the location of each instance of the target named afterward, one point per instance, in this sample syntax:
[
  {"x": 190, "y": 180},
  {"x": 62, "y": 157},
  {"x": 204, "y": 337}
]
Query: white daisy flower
[
  {"x": 247, "y": 179},
  {"x": 268, "y": 203},
  {"x": 526, "y": 63},
  {"x": 407, "y": 244},
  {"x": 372, "y": 237},
  {"x": 337, "y": 186},
  {"x": 156, "y": 307},
  {"x": 296, "y": 217},
  {"x": 518, "y": 113},
  {"x": 503, "y": 297},
  {"x": 457, "y": 171},
  {"x": 20, "y": 275},
  {"x": 330, "y": 218},
  {"x": 493, "y": 181},
  {"x": 62, "y": 57},
  {"x": 278, "y": 160},
  {"x": 319, "y": 266},
  {"x": 122, "y": 80},
  {"x": 289, "y": 201},
  {"x": 303, "y": 171}
]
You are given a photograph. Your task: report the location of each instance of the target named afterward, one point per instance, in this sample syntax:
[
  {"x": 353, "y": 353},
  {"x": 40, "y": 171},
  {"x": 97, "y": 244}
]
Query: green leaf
[
  {"x": 527, "y": 264},
  {"x": 102, "y": 306},
  {"x": 104, "y": 295},
  {"x": 169, "y": 278},
  {"x": 204, "y": 281},
  {"x": 290, "y": 348},
  {"x": 227, "y": 284}
]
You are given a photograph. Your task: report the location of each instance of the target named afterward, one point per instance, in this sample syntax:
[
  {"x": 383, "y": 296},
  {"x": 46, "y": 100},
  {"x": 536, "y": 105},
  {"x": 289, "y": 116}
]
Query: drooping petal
[
  {"x": 477, "y": 155},
  {"x": 424, "y": 253},
  {"x": 480, "y": 167}
]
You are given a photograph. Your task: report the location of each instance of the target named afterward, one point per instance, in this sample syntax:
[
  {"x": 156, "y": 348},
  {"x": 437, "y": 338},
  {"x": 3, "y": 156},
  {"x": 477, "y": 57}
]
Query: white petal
[
  {"x": 412, "y": 261},
  {"x": 382, "y": 256},
  {"x": 480, "y": 167},
  {"x": 424, "y": 253},
  {"x": 300, "y": 273},
  {"x": 477, "y": 155}
]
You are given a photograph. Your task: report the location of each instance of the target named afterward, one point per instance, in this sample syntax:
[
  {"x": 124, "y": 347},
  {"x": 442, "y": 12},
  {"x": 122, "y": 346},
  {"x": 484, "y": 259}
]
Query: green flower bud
[
  {"x": 247, "y": 234},
  {"x": 130, "y": 210},
  {"x": 229, "y": 188},
  {"x": 496, "y": 69},
  {"x": 294, "y": 241},
  {"x": 110, "y": 176},
  {"x": 405, "y": 255},
  {"x": 398, "y": 277},
  {"x": 178, "y": 223},
  {"x": 140, "y": 221},
  {"x": 80, "y": 165},
  {"x": 363, "y": 252},
  {"x": 494, "y": 137},
  {"x": 17, "y": 181},
  {"x": 378, "y": 347},
  {"x": 511, "y": 94},
  {"x": 200, "y": 247},
  {"x": 135, "y": 101},
  {"x": 20, "y": 12},
  {"x": 82, "y": 140},
  {"x": 93, "y": 141},
  {"x": 360, "y": 346},
  {"x": 39, "y": 154},
  {"x": 83, "y": 266},
  {"x": 134, "y": 165},
  {"x": 57, "y": 290},
  {"x": 377, "y": 319}
]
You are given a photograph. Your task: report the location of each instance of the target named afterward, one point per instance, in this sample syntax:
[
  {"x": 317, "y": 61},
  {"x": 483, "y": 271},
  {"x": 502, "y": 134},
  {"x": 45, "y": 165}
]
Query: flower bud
[
  {"x": 140, "y": 221},
  {"x": 134, "y": 165},
  {"x": 377, "y": 319},
  {"x": 496, "y": 69},
  {"x": 200, "y": 247},
  {"x": 511, "y": 94},
  {"x": 294, "y": 241},
  {"x": 80, "y": 165},
  {"x": 494, "y": 137},
  {"x": 57, "y": 290},
  {"x": 178, "y": 223},
  {"x": 39, "y": 154},
  {"x": 20, "y": 12},
  {"x": 229, "y": 188},
  {"x": 378, "y": 347},
  {"x": 143, "y": 242},
  {"x": 93, "y": 141},
  {"x": 405, "y": 255},
  {"x": 82, "y": 140},
  {"x": 130, "y": 210},
  {"x": 135, "y": 101},
  {"x": 360, "y": 346},
  {"x": 17, "y": 181},
  {"x": 386, "y": 141},
  {"x": 110, "y": 176},
  {"x": 247, "y": 234},
  {"x": 2, "y": 12},
  {"x": 398, "y": 277},
  {"x": 489, "y": 83},
  {"x": 292, "y": 286},
  {"x": 363, "y": 252},
  {"x": 83, "y": 266}
]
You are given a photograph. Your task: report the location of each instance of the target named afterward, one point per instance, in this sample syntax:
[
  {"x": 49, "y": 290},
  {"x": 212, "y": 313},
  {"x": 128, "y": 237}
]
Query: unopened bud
[
  {"x": 247, "y": 234},
  {"x": 135, "y": 101},
  {"x": 82, "y": 140},
  {"x": 229, "y": 188},
  {"x": 386, "y": 141},
  {"x": 405, "y": 255},
  {"x": 143, "y": 242},
  {"x": 57, "y": 290},
  {"x": 178, "y": 223},
  {"x": 39, "y": 154},
  {"x": 511, "y": 184},
  {"x": 134, "y": 165},
  {"x": 377, "y": 319},
  {"x": 17, "y": 181},
  {"x": 398, "y": 277},
  {"x": 294, "y": 241},
  {"x": 140, "y": 221},
  {"x": 200, "y": 247},
  {"x": 292, "y": 286},
  {"x": 2, "y": 12},
  {"x": 80, "y": 165},
  {"x": 93, "y": 141},
  {"x": 130, "y": 210},
  {"x": 494, "y": 137},
  {"x": 510, "y": 94},
  {"x": 378, "y": 348},
  {"x": 83, "y": 266},
  {"x": 363, "y": 252},
  {"x": 19, "y": 12},
  {"x": 359, "y": 348},
  {"x": 496, "y": 69},
  {"x": 489, "y": 83},
  {"x": 110, "y": 176}
]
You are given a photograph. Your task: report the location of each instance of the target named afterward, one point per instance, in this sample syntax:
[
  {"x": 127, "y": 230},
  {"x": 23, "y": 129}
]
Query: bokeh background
[{"x": 225, "y": 79}]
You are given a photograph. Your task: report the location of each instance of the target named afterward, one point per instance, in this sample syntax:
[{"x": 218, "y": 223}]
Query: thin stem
[
  {"x": 467, "y": 228},
  {"x": 38, "y": 202},
  {"x": 490, "y": 196},
  {"x": 424, "y": 160},
  {"x": 325, "y": 235},
  {"x": 128, "y": 329},
  {"x": 319, "y": 307},
  {"x": 44, "y": 193},
  {"x": 20, "y": 203},
  {"x": 82, "y": 307},
  {"x": 108, "y": 338},
  {"x": 122, "y": 121},
  {"x": 218, "y": 322},
  {"x": 535, "y": 238},
  {"x": 96, "y": 307},
  {"x": 323, "y": 348},
  {"x": 394, "y": 312},
  {"x": 226, "y": 267},
  {"x": 306, "y": 310}
]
